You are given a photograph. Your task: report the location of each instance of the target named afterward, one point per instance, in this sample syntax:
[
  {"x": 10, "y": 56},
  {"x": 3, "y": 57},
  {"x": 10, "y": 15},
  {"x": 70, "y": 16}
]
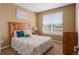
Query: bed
[{"x": 33, "y": 45}]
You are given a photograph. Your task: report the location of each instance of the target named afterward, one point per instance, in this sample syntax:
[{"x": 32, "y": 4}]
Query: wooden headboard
[{"x": 18, "y": 26}]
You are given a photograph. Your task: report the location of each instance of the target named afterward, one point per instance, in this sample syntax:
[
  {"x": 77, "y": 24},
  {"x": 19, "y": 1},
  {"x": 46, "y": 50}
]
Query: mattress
[{"x": 34, "y": 45}]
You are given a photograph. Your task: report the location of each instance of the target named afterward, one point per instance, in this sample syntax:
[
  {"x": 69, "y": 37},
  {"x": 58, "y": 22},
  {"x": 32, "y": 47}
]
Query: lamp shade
[{"x": 35, "y": 28}]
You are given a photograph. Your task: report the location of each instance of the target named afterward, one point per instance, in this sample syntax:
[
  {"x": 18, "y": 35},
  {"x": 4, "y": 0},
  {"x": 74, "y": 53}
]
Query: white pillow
[{"x": 15, "y": 35}]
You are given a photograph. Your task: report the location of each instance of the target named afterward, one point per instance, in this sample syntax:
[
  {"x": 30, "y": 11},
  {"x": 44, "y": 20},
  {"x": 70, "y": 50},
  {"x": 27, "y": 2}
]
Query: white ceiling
[{"x": 39, "y": 7}]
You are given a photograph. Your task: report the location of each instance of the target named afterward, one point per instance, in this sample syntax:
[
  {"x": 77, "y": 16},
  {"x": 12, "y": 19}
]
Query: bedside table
[{"x": 36, "y": 33}]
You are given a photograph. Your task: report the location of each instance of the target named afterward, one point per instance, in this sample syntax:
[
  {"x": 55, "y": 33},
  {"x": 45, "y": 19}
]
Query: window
[{"x": 52, "y": 23}]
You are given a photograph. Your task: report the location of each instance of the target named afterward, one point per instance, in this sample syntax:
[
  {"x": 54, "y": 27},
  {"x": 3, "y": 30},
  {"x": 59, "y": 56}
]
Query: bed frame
[{"x": 21, "y": 26}]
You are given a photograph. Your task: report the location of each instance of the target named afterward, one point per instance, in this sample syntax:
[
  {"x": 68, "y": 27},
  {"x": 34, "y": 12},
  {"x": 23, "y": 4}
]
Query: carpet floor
[{"x": 56, "y": 50}]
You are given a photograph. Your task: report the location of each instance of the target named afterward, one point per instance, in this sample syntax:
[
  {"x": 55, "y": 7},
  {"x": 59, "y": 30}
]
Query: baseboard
[{"x": 5, "y": 47}]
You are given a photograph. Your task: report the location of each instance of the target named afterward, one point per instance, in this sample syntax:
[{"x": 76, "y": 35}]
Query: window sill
[{"x": 52, "y": 34}]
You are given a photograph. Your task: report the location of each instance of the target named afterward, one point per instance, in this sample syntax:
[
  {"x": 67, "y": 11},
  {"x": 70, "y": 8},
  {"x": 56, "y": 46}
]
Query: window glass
[{"x": 53, "y": 23}]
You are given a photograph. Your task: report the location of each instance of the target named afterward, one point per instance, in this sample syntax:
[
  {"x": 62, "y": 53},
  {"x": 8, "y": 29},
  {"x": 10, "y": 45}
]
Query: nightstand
[{"x": 35, "y": 33}]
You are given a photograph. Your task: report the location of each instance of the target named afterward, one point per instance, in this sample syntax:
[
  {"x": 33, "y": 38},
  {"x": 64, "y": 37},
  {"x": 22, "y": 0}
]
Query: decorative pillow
[
  {"x": 27, "y": 33},
  {"x": 20, "y": 34}
]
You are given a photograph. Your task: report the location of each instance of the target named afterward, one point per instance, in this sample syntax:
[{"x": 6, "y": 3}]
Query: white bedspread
[{"x": 33, "y": 45}]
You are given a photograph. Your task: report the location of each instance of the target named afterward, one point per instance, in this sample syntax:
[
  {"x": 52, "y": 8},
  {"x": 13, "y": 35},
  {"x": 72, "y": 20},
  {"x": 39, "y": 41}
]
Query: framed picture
[{"x": 21, "y": 14}]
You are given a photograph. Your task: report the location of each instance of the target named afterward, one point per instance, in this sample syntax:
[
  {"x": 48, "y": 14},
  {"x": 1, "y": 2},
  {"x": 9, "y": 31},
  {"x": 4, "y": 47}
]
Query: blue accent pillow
[{"x": 20, "y": 34}]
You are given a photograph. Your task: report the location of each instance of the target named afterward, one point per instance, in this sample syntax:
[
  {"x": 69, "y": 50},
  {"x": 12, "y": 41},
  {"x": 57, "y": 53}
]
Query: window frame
[{"x": 51, "y": 24}]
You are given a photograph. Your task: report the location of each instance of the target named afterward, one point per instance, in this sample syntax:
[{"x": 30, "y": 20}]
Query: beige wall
[
  {"x": 9, "y": 15},
  {"x": 0, "y": 29},
  {"x": 68, "y": 17}
]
